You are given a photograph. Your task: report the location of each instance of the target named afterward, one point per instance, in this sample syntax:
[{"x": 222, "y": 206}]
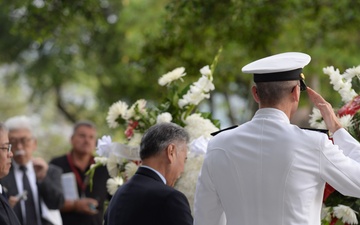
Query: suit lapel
[{"x": 13, "y": 191}]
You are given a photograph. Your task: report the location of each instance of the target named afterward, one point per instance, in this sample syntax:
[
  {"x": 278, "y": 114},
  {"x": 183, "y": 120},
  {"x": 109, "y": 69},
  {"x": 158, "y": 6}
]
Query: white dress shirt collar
[
  {"x": 271, "y": 113},
  {"x": 159, "y": 174}
]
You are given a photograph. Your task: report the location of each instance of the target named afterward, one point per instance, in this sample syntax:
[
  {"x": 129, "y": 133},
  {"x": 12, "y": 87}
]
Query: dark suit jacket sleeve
[
  {"x": 178, "y": 212},
  {"x": 50, "y": 189}
]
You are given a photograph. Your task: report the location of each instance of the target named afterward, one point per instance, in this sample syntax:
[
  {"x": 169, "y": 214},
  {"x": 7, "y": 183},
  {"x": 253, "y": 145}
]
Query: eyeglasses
[
  {"x": 23, "y": 141},
  {"x": 8, "y": 148}
]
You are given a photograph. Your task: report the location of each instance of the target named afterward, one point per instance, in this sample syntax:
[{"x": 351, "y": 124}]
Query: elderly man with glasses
[
  {"x": 7, "y": 215},
  {"x": 31, "y": 177}
]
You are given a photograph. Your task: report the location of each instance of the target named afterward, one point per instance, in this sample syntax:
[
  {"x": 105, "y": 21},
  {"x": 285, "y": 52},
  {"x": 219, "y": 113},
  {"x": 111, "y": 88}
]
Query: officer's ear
[{"x": 255, "y": 94}]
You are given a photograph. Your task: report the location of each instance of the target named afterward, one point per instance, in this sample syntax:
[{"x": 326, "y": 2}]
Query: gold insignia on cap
[{"x": 302, "y": 76}]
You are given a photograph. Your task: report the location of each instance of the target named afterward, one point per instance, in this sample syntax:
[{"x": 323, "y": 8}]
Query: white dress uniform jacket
[{"x": 270, "y": 172}]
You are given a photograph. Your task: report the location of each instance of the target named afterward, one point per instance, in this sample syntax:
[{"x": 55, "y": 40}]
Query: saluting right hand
[{"x": 326, "y": 110}]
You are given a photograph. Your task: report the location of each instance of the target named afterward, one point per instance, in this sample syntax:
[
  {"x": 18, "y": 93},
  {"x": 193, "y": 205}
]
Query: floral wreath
[
  {"x": 180, "y": 106},
  {"x": 337, "y": 208}
]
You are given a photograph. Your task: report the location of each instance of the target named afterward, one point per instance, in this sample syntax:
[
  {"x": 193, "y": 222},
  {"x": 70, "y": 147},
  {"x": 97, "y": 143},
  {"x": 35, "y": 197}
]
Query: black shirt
[{"x": 98, "y": 192}]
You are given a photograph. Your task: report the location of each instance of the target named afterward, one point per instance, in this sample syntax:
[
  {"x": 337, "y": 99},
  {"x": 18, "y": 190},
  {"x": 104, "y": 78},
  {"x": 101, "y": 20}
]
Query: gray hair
[
  {"x": 272, "y": 93},
  {"x": 159, "y": 136},
  {"x": 84, "y": 123},
  {"x": 3, "y": 127},
  {"x": 19, "y": 122}
]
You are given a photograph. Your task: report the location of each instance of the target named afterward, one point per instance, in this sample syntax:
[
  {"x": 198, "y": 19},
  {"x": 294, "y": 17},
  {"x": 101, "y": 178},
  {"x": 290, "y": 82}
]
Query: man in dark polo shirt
[{"x": 89, "y": 208}]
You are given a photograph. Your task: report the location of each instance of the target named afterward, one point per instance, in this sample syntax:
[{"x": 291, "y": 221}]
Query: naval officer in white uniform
[{"x": 268, "y": 171}]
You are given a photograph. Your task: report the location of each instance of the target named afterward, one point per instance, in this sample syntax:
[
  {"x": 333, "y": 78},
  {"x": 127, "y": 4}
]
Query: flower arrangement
[
  {"x": 180, "y": 106},
  {"x": 339, "y": 209}
]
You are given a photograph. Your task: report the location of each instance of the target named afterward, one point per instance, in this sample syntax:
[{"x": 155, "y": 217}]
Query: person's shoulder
[{"x": 59, "y": 161}]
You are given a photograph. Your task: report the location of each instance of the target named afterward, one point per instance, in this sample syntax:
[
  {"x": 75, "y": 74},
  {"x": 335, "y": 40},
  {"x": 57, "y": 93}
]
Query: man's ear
[
  {"x": 170, "y": 152},
  {"x": 296, "y": 94},
  {"x": 255, "y": 94}
]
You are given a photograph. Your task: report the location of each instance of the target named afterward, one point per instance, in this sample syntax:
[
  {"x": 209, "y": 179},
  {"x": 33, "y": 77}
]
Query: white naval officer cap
[{"x": 279, "y": 67}]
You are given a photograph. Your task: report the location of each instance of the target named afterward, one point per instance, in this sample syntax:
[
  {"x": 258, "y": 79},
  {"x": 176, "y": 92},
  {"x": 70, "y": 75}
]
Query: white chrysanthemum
[
  {"x": 112, "y": 184},
  {"x": 171, "y": 76},
  {"x": 116, "y": 110},
  {"x": 130, "y": 169},
  {"x": 195, "y": 131},
  {"x": 113, "y": 165},
  {"x": 346, "y": 214},
  {"x": 316, "y": 120},
  {"x": 102, "y": 160},
  {"x": 164, "y": 118},
  {"x": 325, "y": 213},
  {"x": 140, "y": 105},
  {"x": 205, "y": 71},
  {"x": 346, "y": 121},
  {"x": 187, "y": 181},
  {"x": 135, "y": 140},
  {"x": 104, "y": 146}
]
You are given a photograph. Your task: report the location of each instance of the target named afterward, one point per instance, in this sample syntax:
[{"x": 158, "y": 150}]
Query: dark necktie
[{"x": 29, "y": 203}]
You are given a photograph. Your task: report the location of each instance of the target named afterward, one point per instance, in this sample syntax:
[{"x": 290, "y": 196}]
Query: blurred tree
[{"x": 81, "y": 56}]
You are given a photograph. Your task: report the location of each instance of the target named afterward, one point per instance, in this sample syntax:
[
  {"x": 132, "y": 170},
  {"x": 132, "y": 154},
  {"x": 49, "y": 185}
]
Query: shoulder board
[
  {"x": 318, "y": 130},
  {"x": 229, "y": 128}
]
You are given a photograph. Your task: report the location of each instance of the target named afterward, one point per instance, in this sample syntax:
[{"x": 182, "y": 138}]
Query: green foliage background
[{"x": 70, "y": 60}]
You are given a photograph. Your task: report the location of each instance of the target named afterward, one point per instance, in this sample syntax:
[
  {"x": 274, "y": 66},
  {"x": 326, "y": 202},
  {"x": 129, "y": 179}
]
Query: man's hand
[
  {"x": 86, "y": 205},
  {"x": 13, "y": 200},
  {"x": 326, "y": 110},
  {"x": 40, "y": 167}
]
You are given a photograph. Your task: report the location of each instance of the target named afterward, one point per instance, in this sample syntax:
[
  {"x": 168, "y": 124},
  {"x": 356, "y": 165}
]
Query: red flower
[{"x": 129, "y": 132}]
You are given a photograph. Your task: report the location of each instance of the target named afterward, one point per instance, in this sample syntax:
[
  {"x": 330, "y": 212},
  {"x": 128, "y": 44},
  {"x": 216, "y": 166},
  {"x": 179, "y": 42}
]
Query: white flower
[
  {"x": 199, "y": 145},
  {"x": 135, "y": 140},
  {"x": 316, "y": 119},
  {"x": 346, "y": 121},
  {"x": 193, "y": 97},
  {"x": 352, "y": 72},
  {"x": 205, "y": 71},
  {"x": 102, "y": 160},
  {"x": 205, "y": 84},
  {"x": 325, "y": 213},
  {"x": 104, "y": 146},
  {"x": 112, "y": 184},
  {"x": 140, "y": 106},
  {"x": 199, "y": 90},
  {"x": 116, "y": 110},
  {"x": 341, "y": 83},
  {"x": 164, "y": 118},
  {"x": 113, "y": 165},
  {"x": 187, "y": 182},
  {"x": 192, "y": 126},
  {"x": 346, "y": 214},
  {"x": 130, "y": 169},
  {"x": 171, "y": 76}
]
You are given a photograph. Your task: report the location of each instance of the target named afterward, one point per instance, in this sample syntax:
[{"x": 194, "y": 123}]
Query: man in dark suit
[
  {"x": 149, "y": 197},
  {"x": 40, "y": 181},
  {"x": 7, "y": 215}
]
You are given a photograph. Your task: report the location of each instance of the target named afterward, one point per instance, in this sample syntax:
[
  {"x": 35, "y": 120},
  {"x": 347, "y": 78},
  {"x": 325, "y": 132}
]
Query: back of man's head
[{"x": 159, "y": 136}]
